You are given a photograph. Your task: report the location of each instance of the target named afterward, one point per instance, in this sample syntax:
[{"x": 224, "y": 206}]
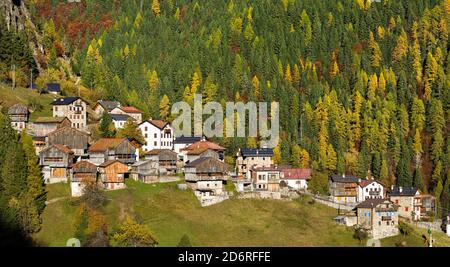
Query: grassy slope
[
  {"x": 170, "y": 213},
  {"x": 23, "y": 96}
]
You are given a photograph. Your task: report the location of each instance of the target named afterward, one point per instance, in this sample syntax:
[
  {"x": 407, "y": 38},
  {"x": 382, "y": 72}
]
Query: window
[
  {"x": 56, "y": 108},
  {"x": 145, "y": 135},
  {"x": 367, "y": 190},
  {"x": 156, "y": 136},
  {"x": 155, "y": 143},
  {"x": 379, "y": 223},
  {"x": 396, "y": 201},
  {"x": 392, "y": 223},
  {"x": 406, "y": 208},
  {"x": 145, "y": 129}
]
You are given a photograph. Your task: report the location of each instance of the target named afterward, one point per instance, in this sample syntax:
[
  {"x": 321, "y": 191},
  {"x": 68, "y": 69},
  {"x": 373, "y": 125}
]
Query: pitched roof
[
  {"x": 271, "y": 168},
  {"x": 257, "y": 152},
  {"x": 370, "y": 203},
  {"x": 187, "y": 139},
  {"x": 198, "y": 151},
  {"x": 104, "y": 144},
  {"x": 119, "y": 117},
  {"x": 53, "y": 87},
  {"x": 50, "y": 119},
  {"x": 142, "y": 162},
  {"x": 68, "y": 129},
  {"x": 404, "y": 191},
  {"x": 17, "y": 109},
  {"x": 158, "y": 123},
  {"x": 62, "y": 148},
  {"x": 158, "y": 151},
  {"x": 204, "y": 144},
  {"x": 130, "y": 110},
  {"x": 344, "y": 179},
  {"x": 297, "y": 173},
  {"x": 65, "y": 100},
  {"x": 108, "y": 105},
  {"x": 109, "y": 162},
  {"x": 366, "y": 182},
  {"x": 84, "y": 166},
  {"x": 213, "y": 165}
]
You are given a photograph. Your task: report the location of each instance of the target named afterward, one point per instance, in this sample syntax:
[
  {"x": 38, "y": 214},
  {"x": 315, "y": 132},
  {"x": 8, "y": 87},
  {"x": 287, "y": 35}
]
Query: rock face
[{"x": 18, "y": 18}]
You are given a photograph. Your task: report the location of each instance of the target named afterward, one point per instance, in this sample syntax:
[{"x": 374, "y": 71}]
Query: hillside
[{"x": 170, "y": 213}]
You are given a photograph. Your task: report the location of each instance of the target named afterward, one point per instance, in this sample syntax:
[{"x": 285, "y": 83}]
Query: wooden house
[
  {"x": 166, "y": 159},
  {"x": 18, "y": 114},
  {"x": 194, "y": 154},
  {"x": 42, "y": 126},
  {"x": 379, "y": 217},
  {"x": 55, "y": 160},
  {"x": 105, "y": 106},
  {"x": 112, "y": 174},
  {"x": 207, "y": 176},
  {"x": 113, "y": 149},
  {"x": 70, "y": 137},
  {"x": 81, "y": 173},
  {"x": 146, "y": 171},
  {"x": 247, "y": 158},
  {"x": 39, "y": 143},
  {"x": 343, "y": 188}
]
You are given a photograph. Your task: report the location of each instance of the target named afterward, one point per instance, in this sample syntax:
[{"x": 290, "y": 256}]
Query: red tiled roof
[
  {"x": 365, "y": 183},
  {"x": 296, "y": 173},
  {"x": 106, "y": 143},
  {"x": 203, "y": 144},
  {"x": 158, "y": 123},
  {"x": 130, "y": 110}
]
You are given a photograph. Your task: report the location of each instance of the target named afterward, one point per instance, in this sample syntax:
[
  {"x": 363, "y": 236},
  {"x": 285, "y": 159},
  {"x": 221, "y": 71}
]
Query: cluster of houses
[
  {"x": 376, "y": 208},
  {"x": 68, "y": 154}
]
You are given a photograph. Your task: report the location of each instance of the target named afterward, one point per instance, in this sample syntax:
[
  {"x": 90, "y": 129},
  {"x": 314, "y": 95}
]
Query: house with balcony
[
  {"x": 413, "y": 205},
  {"x": 106, "y": 149},
  {"x": 266, "y": 181},
  {"x": 207, "y": 177},
  {"x": 74, "y": 108},
  {"x": 343, "y": 188},
  {"x": 157, "y": 134},
  {"x": 247, "y": 158},
  {"x": 166, "y": 159},
  {"x": 112, "y": 174},
  {"x": 369, "y": 189},
  {"x": 379, "y": 217},
  {"x": 18, "y": 115},
  {"x": 55, "y": 161}
]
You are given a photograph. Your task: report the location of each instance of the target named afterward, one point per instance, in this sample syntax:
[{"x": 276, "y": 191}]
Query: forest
[{"x": 363, "y": 86}]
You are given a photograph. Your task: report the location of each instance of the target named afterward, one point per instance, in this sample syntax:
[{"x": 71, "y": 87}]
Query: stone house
[
  {"x": 343, "y": 188},
  {"x": 247, "y": 158},
  {"x": 133, "y": 112},
  {"x": 412, "y": 204},
  {"x": 76, "y": 140},
  {"x": 368, "y": 189},
  {"x": 74, "y": 108},
  {"x": 55, "y": 160},
  {"x": 42, "y": 126},
  {"x": 379, "y": 217},
  {"x": 146, "y": 171},
  {"x": 112, "y": 174},
  {"x": 157, "y": 134},
  {"x": 296, "y": 178},
  {"x": 81, "y": 173},
  {"x": 166, "y": 159},
  {"x": 18, "y": 114},
  {"x": 266, "y": 178},
  {"x": 207, "y": 177},
  {"x": 113, "y": 149}
]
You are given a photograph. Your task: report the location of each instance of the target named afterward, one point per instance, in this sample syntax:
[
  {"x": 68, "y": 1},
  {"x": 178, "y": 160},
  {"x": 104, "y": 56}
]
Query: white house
[
  {"x": 296, "y": 179},
  {"x": 119, "y": 120},
  {"x": 370, "y": 189},
  {"x": 157, "y": 134},
  {"x": 133, "y": 112}
]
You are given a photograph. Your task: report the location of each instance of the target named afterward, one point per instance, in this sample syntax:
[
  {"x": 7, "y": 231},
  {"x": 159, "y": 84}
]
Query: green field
[
  {"x": 170, "y": 213},
  {"x": 25, "y": 96}
]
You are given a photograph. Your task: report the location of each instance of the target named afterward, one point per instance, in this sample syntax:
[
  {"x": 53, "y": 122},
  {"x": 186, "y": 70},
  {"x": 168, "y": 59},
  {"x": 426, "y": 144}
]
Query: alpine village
[{"x": 88, "y": 149}]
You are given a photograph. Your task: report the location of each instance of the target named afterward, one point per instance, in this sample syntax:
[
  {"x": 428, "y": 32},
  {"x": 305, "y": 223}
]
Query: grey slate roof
[
  {"x": 120, "y": 117},
  {"x": 370, "y": 203},
  {"x": 65, "y": 101},
  {"x": 257, "y": 152},
  {"x": 341, "y": 179},
  {"x": 403, "y": 191},
  {"x": 187, "y": 139},
  {"x": 17, "y": 109},
  {"x": 53, "y": 87},
  {"x": 108, "y": 105}
]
